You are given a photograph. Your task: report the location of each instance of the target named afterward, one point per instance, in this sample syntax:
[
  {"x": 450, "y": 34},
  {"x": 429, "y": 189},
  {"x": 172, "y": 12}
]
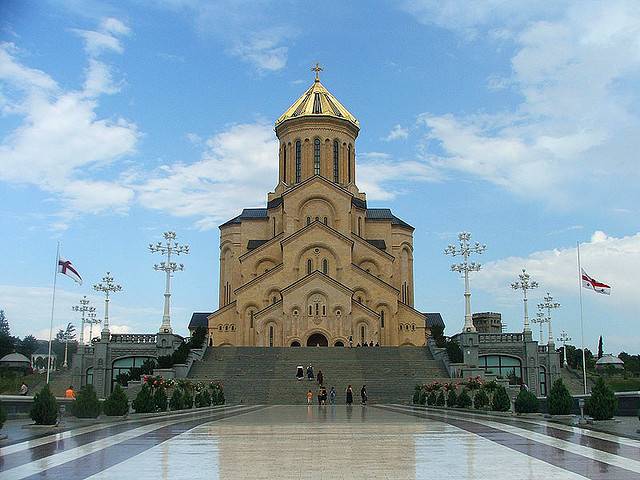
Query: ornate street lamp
[
  {"x": 170, "y": 247},
  {"x": 540, "y": 319},
  {"x": 464, "y": 250},
  {"x": 525, "y": 284},
  {"x": 107, "y": 286},
  {"x": 84, "y": 308},
  {"x": 549, "y": 304},
  {"x": 92, "y": 320},
  {"x": 564, "y": 338}
]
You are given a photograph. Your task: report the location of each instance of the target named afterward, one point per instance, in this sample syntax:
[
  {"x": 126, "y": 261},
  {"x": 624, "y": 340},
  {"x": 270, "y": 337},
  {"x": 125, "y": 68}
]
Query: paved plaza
[{"x": 276, "y": 442}]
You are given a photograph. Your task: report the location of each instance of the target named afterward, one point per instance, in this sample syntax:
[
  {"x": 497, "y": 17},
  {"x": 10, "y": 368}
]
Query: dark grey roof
[
  {"x": 199, "y": 319},
  {"x": 276, "y": 202},
  {"x": 251, "y": 244},
  {"x": 378, "y": 243},
  {"x": 356, "y": 202},
  {"x": 386, "y": 214},
  {"x": 248, "y": 213},
  {"x": 434, "y": 319}
]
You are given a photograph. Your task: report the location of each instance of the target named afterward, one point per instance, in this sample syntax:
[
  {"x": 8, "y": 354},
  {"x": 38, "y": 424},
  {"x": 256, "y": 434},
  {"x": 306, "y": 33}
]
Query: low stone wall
[
  {"x": 628, "y": 404},
  {"x": 18, "y": 406}
]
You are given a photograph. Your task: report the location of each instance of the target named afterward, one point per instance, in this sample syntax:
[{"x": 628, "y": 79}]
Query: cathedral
[{"x": 316, "y": 266}]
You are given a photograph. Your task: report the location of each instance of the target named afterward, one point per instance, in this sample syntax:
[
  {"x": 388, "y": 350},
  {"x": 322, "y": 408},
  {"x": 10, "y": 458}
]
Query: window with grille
[
  {"x": 316, "y": 156},
  {"x": 298, "y": 161}
]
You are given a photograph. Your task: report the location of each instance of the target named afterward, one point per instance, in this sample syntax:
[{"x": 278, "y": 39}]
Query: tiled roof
[
  {"x": 247, "y": 213},
  {"x": 434, "y": 319},
  {"x": 377, "y": 243},
  {"x": 251, "y": 244},
  {"x": 199, "y": 319},
  {"x": 356, "y": 202},
  {"x": 276, "y": 202},
  {"x": 386, "y": 214}
]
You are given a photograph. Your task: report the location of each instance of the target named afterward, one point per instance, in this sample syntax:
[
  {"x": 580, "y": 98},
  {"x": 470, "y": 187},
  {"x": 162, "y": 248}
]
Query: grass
[
  {"x": 621, "y": 384},
  {"x": 10, "y": 382}
]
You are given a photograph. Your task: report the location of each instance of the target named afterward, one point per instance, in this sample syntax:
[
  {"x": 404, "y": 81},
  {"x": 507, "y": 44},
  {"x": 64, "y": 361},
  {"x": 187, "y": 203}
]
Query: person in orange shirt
[
  {"x": 70, "y": 393},
  {"x": 309, "y": 397}
]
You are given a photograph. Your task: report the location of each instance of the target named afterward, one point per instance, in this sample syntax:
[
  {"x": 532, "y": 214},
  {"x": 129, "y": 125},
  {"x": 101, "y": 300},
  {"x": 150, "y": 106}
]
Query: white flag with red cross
[
  {"x": 65, "y": 267},
  {"x": 593, "y": 284}
]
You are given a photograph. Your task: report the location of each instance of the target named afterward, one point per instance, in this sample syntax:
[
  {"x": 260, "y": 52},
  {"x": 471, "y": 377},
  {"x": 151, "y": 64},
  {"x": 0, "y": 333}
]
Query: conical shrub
[
  {"x": 117, "y": 404},
  {"x": 44, "y": 410},
  {"x": 602, "y": 404},
  {"x": 501, "y": 401},
  {"x": 144, "y": 402},
  {"x": 559, "y": 401},
  {"x": 86, "y": 404}
]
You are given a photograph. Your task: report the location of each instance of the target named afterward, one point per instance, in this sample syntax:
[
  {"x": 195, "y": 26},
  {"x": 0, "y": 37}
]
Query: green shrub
[
  {"x": 440, "y": 399},
  {"x": 117, "y": 404},
  {"x": 454, "y": 352},
  {"x": 432, "y": 398},
  {"x": 501, "y": 401},
  {"x": 464, "y": 400},
  {"x": 3, "y": 416},
  {"x": 217, "y": 395},
  {"x": 526, "y": 402},
  {"x": 481, "y": 400},
  {"x": 559, "y": 401},
  {"x": 198, "y": 337},
  {"x": 452, "y": 398},
  {"x": 160, "y": 399},
  {"x": 86, "y": 404},
  {"x": 187, "y": 399},
  {"x": 417, "y": 390},
  {"x": 602, "y": 404},
  {"x": 165, "y": 361},
  {"x": 203, "y": 399},
  {"x": 44, "y": 410},
  {"x": 177, "y": 400},
  {"x": 144, "y": 403}
]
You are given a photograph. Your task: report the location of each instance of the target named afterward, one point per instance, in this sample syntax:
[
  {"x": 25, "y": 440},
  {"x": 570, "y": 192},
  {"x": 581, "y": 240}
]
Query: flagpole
[
  {"x": 53, "y": 304},
  {"x": 584, "y": 365}
]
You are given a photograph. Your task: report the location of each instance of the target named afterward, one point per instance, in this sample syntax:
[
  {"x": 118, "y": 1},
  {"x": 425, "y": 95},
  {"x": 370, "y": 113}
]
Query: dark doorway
[
  {"x": 339, "y": 344},
  {"x": 317, "y": 339},
  {"x": 295, "y": 343}
]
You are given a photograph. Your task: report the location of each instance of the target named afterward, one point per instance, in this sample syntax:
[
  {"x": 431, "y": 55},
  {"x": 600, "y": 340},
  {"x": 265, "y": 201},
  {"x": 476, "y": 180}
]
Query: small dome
[
  {"x": 609, "y": 359},
  {"x": 15, "y": 357},
  {"x": 317, "y": 101}
]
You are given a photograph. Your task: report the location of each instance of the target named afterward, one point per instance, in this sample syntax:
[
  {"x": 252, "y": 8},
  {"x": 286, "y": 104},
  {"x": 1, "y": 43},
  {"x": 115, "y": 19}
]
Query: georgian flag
[
  {"x": 65, "y": 267},
  {"x": 593, "y": 284}
]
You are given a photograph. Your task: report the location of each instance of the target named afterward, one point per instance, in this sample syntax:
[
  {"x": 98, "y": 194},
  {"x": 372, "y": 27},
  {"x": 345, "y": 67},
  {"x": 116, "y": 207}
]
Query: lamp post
[
  {"x": 92, "y": 320},
  {"x": 525, "y": 284},
  {"x": 464, "y": 250},
  {"x": 84, "y": 308},
  {"x": 107, "y": 286},
  {"x": 540, "y": 319},
  {"x": 549, "y": 304},
  {"x": 170, "y": 247},
  {"x": 564, "y": 338}
]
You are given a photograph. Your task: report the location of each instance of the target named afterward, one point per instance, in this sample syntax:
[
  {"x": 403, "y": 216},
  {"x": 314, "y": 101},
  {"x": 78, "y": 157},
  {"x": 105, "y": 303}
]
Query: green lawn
[{"x": 620, "y": 384}]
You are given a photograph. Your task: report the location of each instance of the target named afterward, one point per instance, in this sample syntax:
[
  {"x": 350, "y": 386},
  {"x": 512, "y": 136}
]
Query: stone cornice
[
  {"x": 362, "y": 241},
  {"x": 373, "y": 277},
  {"x": 311, "y": 226},
  {"x": 261, "y": 247},
  {"x": 267, "y": 308},
  {"x": 222, "y": 309},
  {"x": 312, "y": 276},
  {"x": 258, "y": 278}
]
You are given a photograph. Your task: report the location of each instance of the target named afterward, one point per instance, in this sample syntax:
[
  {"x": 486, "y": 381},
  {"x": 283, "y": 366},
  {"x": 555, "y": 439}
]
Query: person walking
[
  {"x": 309, "y": 397},
  {"x": 320, "y": 377},
  {"x": 332, "y": 396},
  {"x": 350, "y": 341},
  {"x": 299, "y": 372},
  {"x": 363, "y": 394},
  {"x": 24, "y": 389},
  {"x": 349, "y": 393},
  {"x": 70, "y": 393},
  {"x": 310, "y": 372}
]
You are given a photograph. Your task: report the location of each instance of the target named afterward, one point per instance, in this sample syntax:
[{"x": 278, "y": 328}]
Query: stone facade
[
  {"x": 316, "y": 266},
  {"x": 487, "y": 322}
]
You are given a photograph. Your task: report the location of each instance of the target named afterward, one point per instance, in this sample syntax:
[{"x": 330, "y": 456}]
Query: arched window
[
  {"x": 502, "y": 366},
  {"x": 336, "y": 161},
  {"x": 317, "y": 309},
  {"x": 310, "y": 310},
  {"x": 325, "y": 220},
  {"x": 317, "y": 219},
  {"x": 543, "y": 381},
  {"x": 316, "y": 156},
  {"x": 125, "y": 365},
  {"x": 308, "y": 220},
  {"x": 349, "y": 163},
  {"x": 274, "y": 226},
  {"x": 284, "y": 163},
  {"x": 274, "y": 300},
  {"x": 381, "y": 318},
  {"x": 220, "y": 327},
  {"x": 324, "y": 310},
  {"x": 271, "y": 335},
  {"x": 363, "y": 334},
  {"x": 359, "y": 226},
  {"x": 251, "y": 319},
  {"x": 309, "y": 266},
  {"x": 298, "y": 161},
  {"x": 325, "y": 266},
  {"x": 233, "y": 328},
  {"x": 413, "y": 327}
]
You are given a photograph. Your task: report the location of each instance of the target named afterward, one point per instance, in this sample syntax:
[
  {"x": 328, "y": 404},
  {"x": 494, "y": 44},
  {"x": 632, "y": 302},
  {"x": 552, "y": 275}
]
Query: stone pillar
[
  {"x": 468, "y": 342},
  {"x": 102, "y": 368},
  {"x": 530, "y": 365}
]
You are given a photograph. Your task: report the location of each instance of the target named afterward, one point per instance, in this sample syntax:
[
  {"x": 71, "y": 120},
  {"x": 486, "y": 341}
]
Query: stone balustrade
[
  {"x": 543, "y": 348},
  {"x": 133, "y": 338},
  {"x": 500, "y": 337}
]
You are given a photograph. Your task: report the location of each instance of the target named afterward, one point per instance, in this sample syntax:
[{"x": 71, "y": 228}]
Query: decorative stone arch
[
  {"x": 360, "y": 334},
  {"x": 318, "y": 206},
  {"x": 271, "y": 293},
  {"x": 317, "y": 303},
  {"x": 264, "y": 265},
  {"x": 315, "y": 252},
  {"x": 361, "y": 293},
  {"x": 225, "y": 344},
  {"x": 322, "y": 331},
  {"x": 370, "y": 265},
  {"x": 407, "y": 343},
  {"x": 270, "y": 337},
  {"x": 295, "y": 343}
]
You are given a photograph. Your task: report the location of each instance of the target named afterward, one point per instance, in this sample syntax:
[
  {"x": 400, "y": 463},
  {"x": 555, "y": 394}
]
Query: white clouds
[
  {"x": 237, "y": 169},
  {"x": 106, "y": 38},
  {"x": 264, "y": 50},
  {"x": 576, "y": 129},
  {"x": 612, "y": 260},
  {"x": 60, "y": 134},
  {"x": 398, "y": 132}
]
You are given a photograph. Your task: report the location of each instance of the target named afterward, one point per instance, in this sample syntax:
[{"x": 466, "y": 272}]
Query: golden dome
[{"x": 317, "y": 101}]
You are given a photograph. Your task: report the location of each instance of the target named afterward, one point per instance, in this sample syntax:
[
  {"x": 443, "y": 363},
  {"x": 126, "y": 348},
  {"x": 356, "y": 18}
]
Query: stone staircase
[{"x": 260, "y": 375}]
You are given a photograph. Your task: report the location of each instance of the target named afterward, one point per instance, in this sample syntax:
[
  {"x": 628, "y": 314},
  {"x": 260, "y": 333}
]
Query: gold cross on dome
[{"x": 317, "y": 69}]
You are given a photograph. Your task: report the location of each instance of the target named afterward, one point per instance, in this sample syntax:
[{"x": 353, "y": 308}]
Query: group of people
[
  {"x": 322, "y": 394},
  {"x": 364, "y": 344}
]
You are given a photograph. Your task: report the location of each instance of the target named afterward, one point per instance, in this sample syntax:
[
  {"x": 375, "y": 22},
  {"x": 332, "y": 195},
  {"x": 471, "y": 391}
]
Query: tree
[
  {"x": 4, "y": 324},
  {"x": 559, "y": 401},
  {"x": 86, "y": 404},
  {"x": 600, "y": 348},
  {"x": 176, "y": 402},
  {"x": 602, "y": 404},
  {"x": 44, "y": 410},
  {"x": 526, "y": 402},
  {"x": 481, "y": 399},
  {"x": 160, "y": 399},
  {"x": 452, "y": 398},
  {"x": 501, "y": 401},
  {"x": 117, "y": 404},
  {"x": 144, "y": 402},
  {"x": 464, "y": 400},
  {"x": 28, "y": 345},
  {"x": 198, "y": 337}
]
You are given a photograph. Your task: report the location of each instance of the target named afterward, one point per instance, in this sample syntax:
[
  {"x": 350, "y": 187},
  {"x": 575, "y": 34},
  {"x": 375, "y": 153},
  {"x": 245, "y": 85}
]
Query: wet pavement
[{"x": 275, "y": 442}]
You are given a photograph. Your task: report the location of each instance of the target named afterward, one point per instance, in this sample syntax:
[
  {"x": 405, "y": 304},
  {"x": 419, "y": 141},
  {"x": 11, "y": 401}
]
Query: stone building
[
  {"x": 316, "y": 266},
  {"x": 487, "y": 322}
]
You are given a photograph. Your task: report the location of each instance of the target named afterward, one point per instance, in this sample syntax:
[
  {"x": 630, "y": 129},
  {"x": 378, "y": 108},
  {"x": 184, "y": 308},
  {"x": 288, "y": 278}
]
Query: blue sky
[{"x": 517, "y": 122}]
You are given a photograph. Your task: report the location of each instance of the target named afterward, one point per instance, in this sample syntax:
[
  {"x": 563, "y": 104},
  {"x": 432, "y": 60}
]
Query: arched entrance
[
  {"x": 295, "y": 343},
  {"x": 317, "y": 339},
  {"x": 339, "y": 343}
]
